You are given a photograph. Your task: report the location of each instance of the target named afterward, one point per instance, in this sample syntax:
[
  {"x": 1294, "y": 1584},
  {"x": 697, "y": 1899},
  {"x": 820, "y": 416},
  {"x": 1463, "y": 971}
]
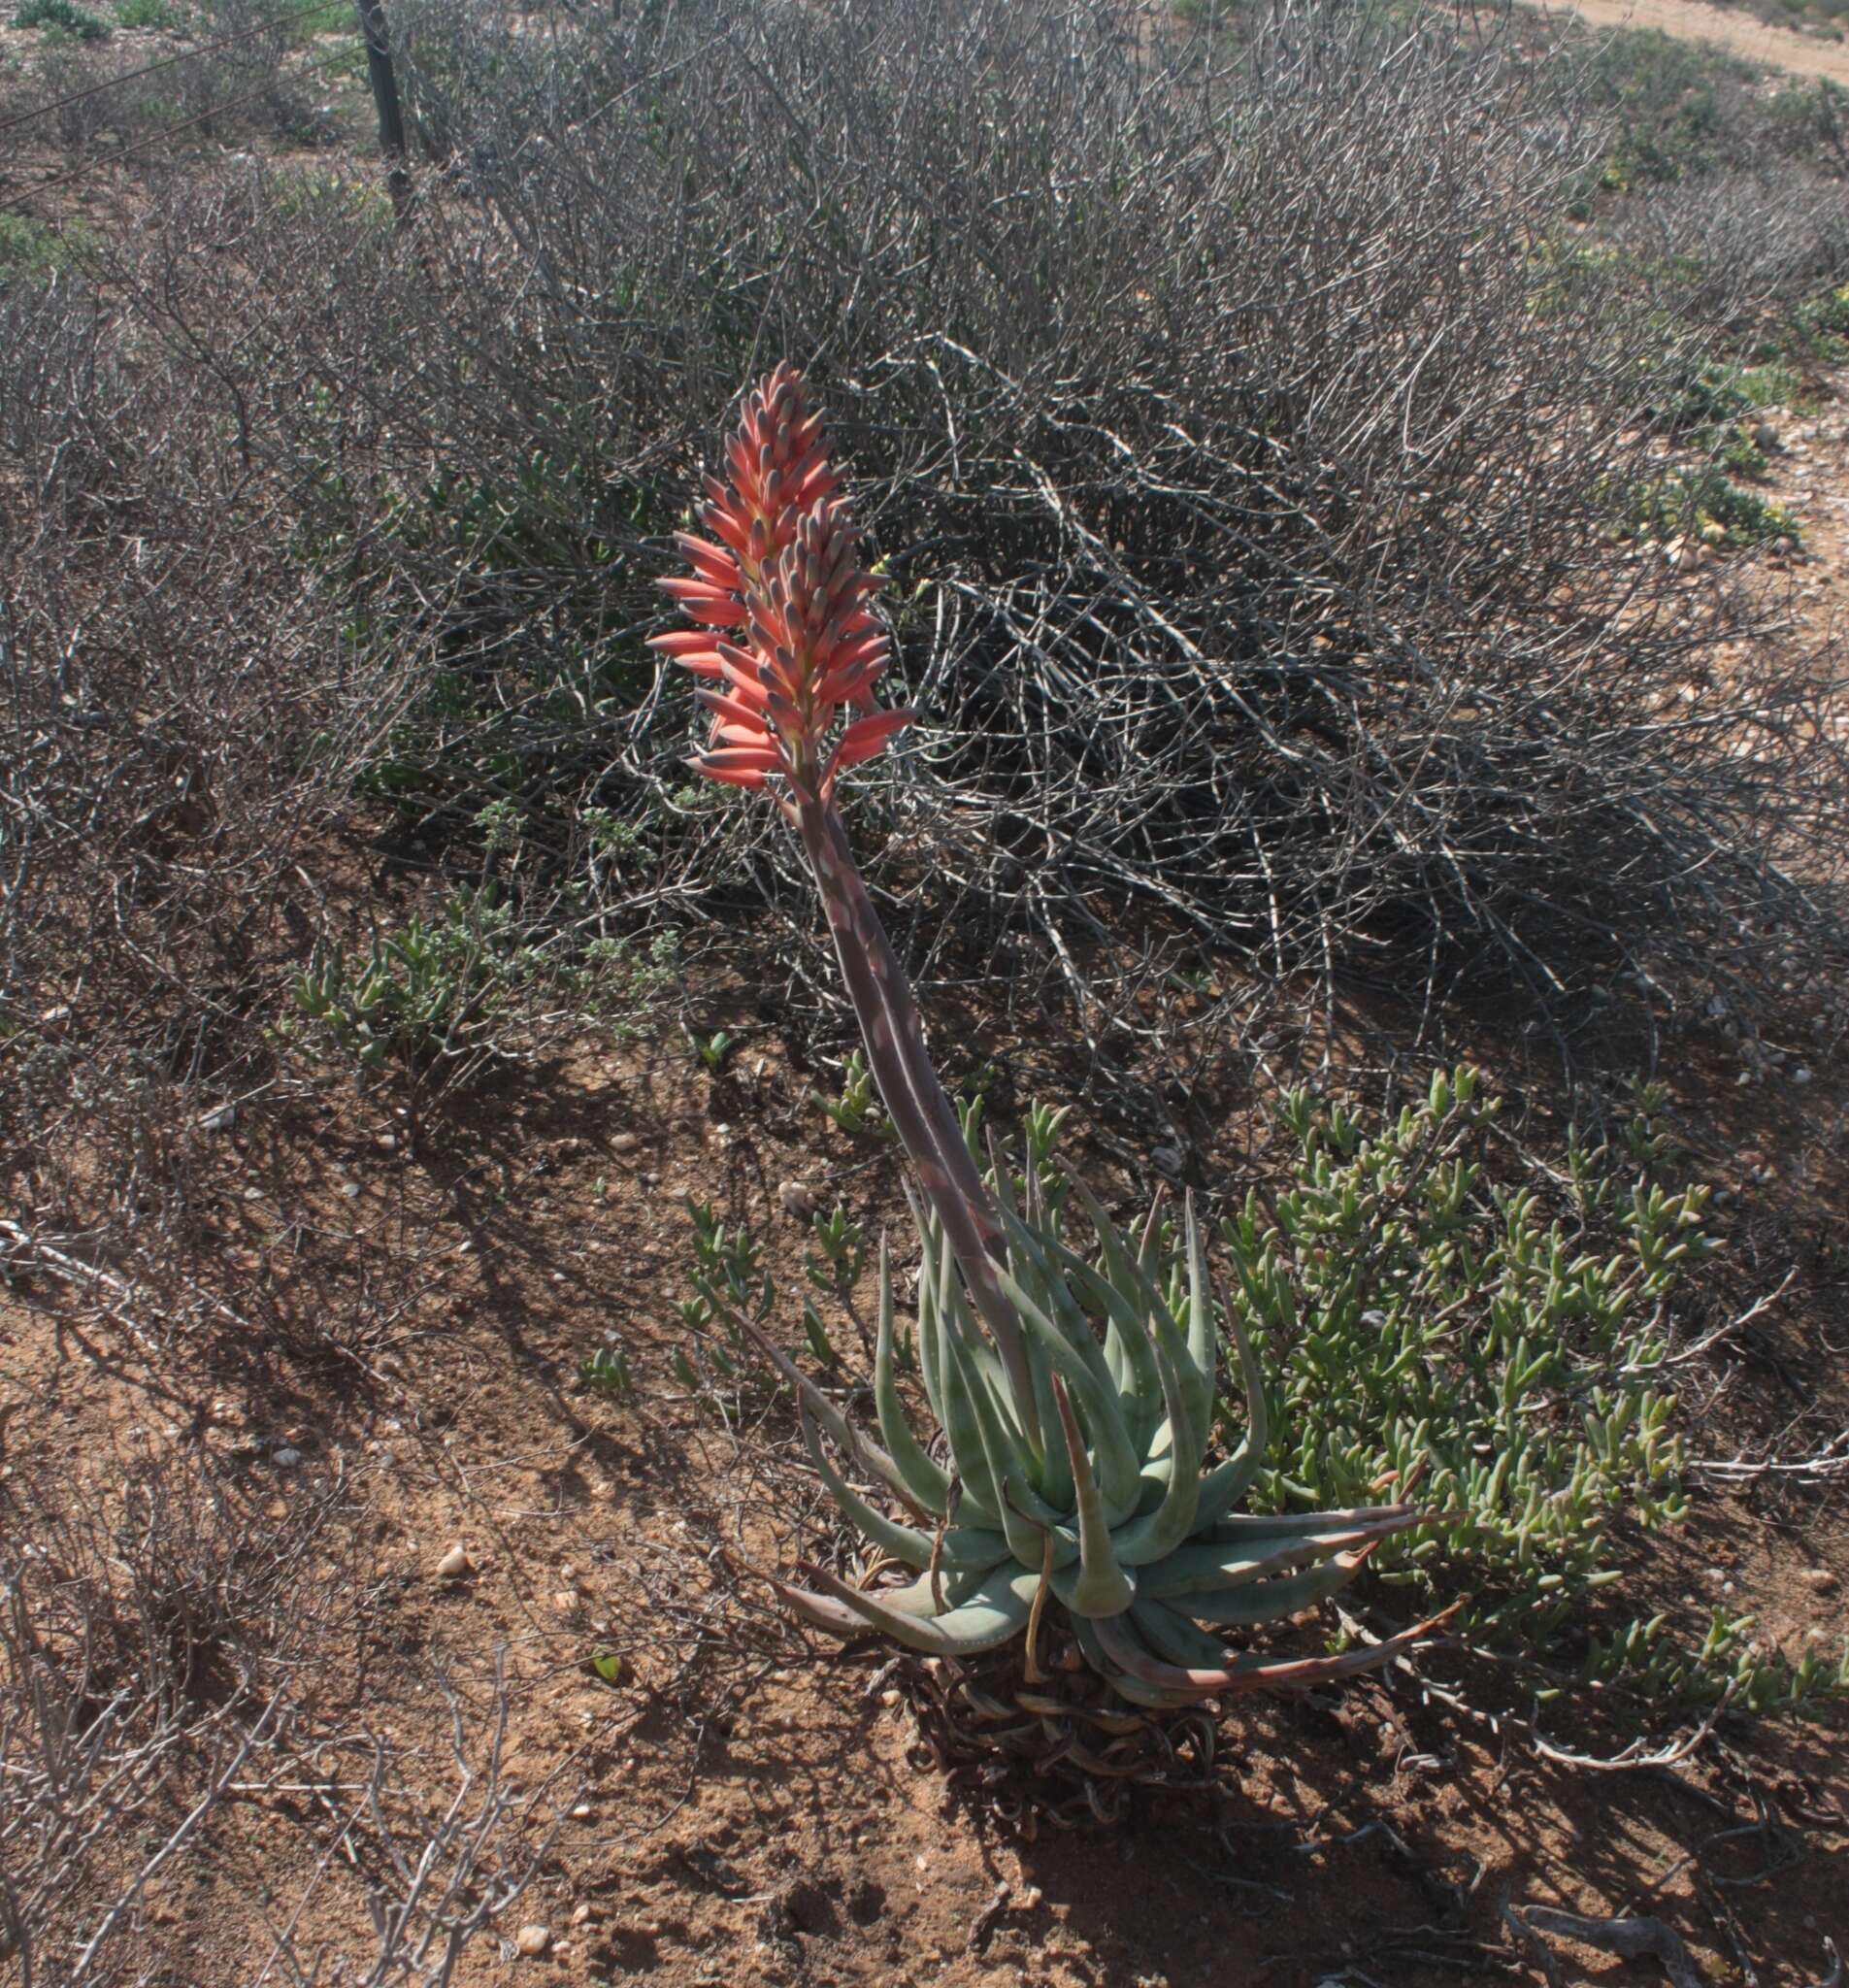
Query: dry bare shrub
[
  {"x": 438, "y": 1866},
  {"x": 1246, "y": 461},
  {"x": 234, "y": 69},
  {"x": 1737, "y": 254},
  {"x": 151, "y": 1637},
  {"x": 1243, "y": 441},
  {"x": 166, "y": 671}
]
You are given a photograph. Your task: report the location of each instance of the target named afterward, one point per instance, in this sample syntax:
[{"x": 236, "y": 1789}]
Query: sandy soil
[{"x": 1740, "y": 33}]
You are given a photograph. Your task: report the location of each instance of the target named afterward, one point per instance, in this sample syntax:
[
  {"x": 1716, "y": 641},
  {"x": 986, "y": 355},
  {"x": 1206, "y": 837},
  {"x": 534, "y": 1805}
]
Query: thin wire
[
  {"x": 245, "y": 34},
  {"x": 159, "y": 137}
]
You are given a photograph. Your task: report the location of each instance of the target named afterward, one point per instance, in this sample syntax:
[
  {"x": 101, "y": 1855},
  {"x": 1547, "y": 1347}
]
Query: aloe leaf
[
  {"x": 1060, "y": 1306},
  {"x": 1135, "y": 1360},
  {"x": 1162, "y": 1531},
  {"x": 1278, "y": 1598},
  {"x": 980, "y": 1499},
  {"x": 1245, "y": 1525},
  {"x": 964, "y": 1549},
  {"x": 930, "y": 1273},
  {"x": 1200, "y": 1337},
  {"x": 1056, "y": 1470},
  {"x": 1119, "y": 1470},
  {"x": 922, "y": 1598},
  {"x": 1100, "y": 1587},
  {"x": 997, "y": 1611},
  {"x": 1230, "y": 1483},
  {"x": 1123, "y": 1279},
  {"x": 980, "y": 1356},
  {"x": 1121, "y": 1646},
  {"x": 930, "y": 1484},
  {"x": 1126, "y": 1688},
  {"x": 1173, "y": 1636},
  {"x": 869, "y": 1455},
  {"x": 1050, "y": 1472},
  {"x": 1210, "y": 1567},
  {"x": 1025, "y": 1519}
]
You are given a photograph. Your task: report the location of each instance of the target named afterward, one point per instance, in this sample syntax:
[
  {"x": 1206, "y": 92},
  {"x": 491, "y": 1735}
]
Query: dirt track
[{"x": 1738, "y": 32}]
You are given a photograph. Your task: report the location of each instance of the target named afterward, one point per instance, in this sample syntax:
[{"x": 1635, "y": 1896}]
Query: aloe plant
[{"x": 1074, "y": 1395}]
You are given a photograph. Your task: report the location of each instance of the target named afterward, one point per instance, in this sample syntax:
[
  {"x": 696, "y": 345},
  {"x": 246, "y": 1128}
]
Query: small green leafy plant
[
  {"x": 61, "y": 17},
  {"x": 843, "y": 1251},
  {"x": 429, "y": 993},
  {"x": 1409, "y": 1305},
  {"x": 857, "y": 1110},
  {"x": 1704, "y": 503},
  {"x": 606, "y": 1371},
  {"x": 713, "y": 1049}
]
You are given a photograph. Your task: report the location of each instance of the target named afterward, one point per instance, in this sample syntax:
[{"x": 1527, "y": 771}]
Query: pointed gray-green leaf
[
  {"x": 1240, "y": 1526},
  {"x": 1128, "y": 1271},
  {"x": 930, "y": 1310},
  {"x": 1276, "y": 1599},
  {"x": 1140, "y": 1385},
  {"x": 964, "y": 1547},
  {"x": 1126, "y": 1688},
  {"x": 996, "y": 1612},
  {"x": 1122, "y": 1646},
  {"x": 980, "y": 1501},
  {"x": 929, "y": 1483},
  {"x": 1061, "y": 1309},
  {"x": 1024, "y": 1518},
  {"x": 1163, "y": 1529},
  {"x": 1056, "y": 1470},
  {"x": 1100, "y": 1587},
  {"x": 1210, "y": 1568},
  {"x": 869, "y": 1455},
  {"x": 1129, "y": 1274},
  {"x": 1201, "y": 1357},
  {"x": 1173, "y": 1636},
  {"x": 1230, "y": 1483},
  {"x": 978, "y": 1350},
  {"x": 1021, "y": 1263},
  {"x": 1118, "y": 1465}
]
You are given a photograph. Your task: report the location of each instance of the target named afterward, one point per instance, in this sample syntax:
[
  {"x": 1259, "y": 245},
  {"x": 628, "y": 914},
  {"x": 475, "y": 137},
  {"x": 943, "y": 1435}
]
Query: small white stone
[
  {"x": 286, "y": 1458},
  {"x": 220, "y": 1119},
  {"x": 799, "y": 1199},
  {"x": 624, "y": 1142},
  {"x": 531, "y": 1942},
  {"x": 455, "y": 1563}
]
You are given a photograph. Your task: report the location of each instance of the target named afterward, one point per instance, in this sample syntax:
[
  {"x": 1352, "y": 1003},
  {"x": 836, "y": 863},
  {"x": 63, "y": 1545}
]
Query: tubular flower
[{"x": 787, "y": 637}]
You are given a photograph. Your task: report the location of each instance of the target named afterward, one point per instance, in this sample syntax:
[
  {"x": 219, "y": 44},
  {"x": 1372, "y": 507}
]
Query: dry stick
[
  {"x": 175, "y": 1843},
  {"x": 1631, "y": 1938}
]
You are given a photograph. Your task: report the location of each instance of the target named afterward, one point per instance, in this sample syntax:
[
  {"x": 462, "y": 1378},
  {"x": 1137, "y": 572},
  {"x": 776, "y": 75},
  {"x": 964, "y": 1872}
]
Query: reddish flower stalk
[{"x": 789, "y": 640}]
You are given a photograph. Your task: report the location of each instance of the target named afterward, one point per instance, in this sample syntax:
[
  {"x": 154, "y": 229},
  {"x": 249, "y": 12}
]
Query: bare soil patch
[{"x": 1801, "y": 53}]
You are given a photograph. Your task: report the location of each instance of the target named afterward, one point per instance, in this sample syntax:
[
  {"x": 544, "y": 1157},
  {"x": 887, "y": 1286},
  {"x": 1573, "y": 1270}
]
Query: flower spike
[{"x": 781, "y": 571}]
